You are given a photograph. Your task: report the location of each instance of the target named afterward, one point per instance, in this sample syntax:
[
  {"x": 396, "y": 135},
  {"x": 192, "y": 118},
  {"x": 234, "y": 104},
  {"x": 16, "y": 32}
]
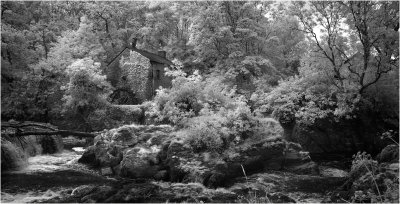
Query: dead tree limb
[
  {"x": 63, "y": 133},
  {"x": 18, "y": 129}
]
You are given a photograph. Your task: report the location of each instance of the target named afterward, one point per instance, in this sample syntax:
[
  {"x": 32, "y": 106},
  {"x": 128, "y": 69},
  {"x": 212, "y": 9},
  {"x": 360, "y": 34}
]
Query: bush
[
  {"x": 306, "y": 100},
  {"x": 211, "y": 114},
  {"x": 216, "y": 131},
  {"x": 372, "y": 184},
  {"x": 188, "y": 96},
  {"x": 206, "y": 133},
  {"x": 362, "y": 163},
  {"x": 86, "y": 93}
]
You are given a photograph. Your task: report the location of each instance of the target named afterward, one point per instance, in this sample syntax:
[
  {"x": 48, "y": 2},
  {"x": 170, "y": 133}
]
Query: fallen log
[
  {"x": 33, "y": 128},
  {"x": 63, "y": 133},
  {"x": 27, "y": 124}
]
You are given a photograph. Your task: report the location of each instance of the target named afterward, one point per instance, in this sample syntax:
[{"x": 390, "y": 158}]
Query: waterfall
[
  {"x": 12, "y": 157},
  {"x": 15, "y": 152}
]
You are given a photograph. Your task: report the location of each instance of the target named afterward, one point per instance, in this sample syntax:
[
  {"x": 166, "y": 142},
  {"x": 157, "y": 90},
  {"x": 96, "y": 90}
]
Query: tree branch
[{"x": 51, "y": 130}]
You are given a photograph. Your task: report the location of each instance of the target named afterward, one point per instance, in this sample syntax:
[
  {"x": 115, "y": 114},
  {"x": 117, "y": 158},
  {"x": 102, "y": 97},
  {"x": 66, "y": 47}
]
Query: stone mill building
[{"x": 137, "y": 74}]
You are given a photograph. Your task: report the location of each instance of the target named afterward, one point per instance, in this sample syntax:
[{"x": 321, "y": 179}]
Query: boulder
[
  {"x": 216, "y": 169},
  {"x": 140, "y": 162},
  {"x": 332, "y": 172},
  {"x": 51, "y": 144},
  {"x": 389, "y": 154},
  {"x": 82, "y": 190},
  {"x": 134, "y": 151},
  {"x": 89, "y": 156},
  {"x": 102, "y": 155},
  {"x": 125, "y": 136}
]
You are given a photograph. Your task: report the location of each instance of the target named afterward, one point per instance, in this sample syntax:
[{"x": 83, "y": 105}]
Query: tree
[
  {"x": 87, "y": 90},
  {"x": 29, "y": 30},
  {"x": 376, "y": 25},
  {"x": 354, "y": 52}
]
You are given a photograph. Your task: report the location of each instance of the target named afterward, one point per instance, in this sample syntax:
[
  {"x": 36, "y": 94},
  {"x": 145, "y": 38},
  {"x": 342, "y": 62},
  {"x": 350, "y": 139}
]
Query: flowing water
[
  {"x": 48, "y": 176},
  {"x": 52, "y": 176}
]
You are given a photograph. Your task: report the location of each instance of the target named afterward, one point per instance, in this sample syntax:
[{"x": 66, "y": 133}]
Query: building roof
[{"x": 153, "y": 57}]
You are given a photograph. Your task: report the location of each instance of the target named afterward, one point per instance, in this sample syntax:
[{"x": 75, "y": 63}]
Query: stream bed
[
  {"x": 48, "y": 176},
  {"x": 53, "y": 178}
]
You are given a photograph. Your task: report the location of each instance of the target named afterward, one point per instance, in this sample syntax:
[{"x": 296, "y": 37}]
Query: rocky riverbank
[{"x": 153, "y": 163}]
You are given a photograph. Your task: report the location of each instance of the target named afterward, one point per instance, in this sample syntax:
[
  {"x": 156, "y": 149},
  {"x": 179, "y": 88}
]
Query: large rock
[
  {"x": 330, "y": 139},
  {"x": 102, "y": 155},
  {"x": 130, "y": 150},
  {"x": 389, "y": 154},
  {"x": 156, "y": 152},
  {"x": 51, "y": 144},
  {"x": 332, "y": 172},
  {"x": 140, "y": 162},
  {"x": 214, "y": 169}
]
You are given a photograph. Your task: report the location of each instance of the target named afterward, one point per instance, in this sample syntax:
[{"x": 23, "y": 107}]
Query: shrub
[
  {"x": 87, "y": 91},
  {"x": 188, "y": 96},
  {"x": 206, "y": 133},
  {"x": 306, "y": 100},
  {"x": 370, "y": 183},
  {"x": 216, "y": 131},
  {"x": 361, "y": 164},
  {"x": 240, "y": 121}
]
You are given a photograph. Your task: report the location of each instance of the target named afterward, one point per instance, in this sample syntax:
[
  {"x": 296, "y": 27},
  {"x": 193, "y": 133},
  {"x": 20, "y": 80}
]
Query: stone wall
[
  {"x": 142, "y": 76},
  {"x": 135, "y": 74}
]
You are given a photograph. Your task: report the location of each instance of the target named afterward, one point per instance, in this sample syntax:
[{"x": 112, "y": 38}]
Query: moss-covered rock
[{"x": 389, "y": 154}]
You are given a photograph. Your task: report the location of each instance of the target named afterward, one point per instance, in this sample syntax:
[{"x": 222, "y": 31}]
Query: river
[
  {"x": 48, "y": 176},
  {"x": 53, "y": 176}
]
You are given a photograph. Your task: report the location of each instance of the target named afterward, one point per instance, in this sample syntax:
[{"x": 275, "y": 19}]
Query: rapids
[{"x": 47, "y": 176}]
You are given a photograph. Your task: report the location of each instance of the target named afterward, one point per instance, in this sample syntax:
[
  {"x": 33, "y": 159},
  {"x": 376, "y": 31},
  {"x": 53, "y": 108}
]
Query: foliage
[
  {"x": 370, "y": 183},
  {"x": 28, "y": 100},
  {"x": 361, "y": 164},
  {"x": 206, "y": 133},
  {"x": 215, "y": 131},
  {"x": 36, "y": 95},
  {"x": 351, "y": 39},
  {"x": 87, "y": 91},
  {"x": 329, "y": 84},
  {"x": 189, "y": 95},
  {"x": 306, "y": 98}
]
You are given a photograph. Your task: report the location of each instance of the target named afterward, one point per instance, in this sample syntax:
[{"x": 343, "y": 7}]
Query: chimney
[{"x": 162, "y": 53}]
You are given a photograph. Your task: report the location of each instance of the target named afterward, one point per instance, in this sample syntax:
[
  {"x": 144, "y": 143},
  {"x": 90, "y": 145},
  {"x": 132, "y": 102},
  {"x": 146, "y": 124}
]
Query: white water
[
  {"x": 38, "y": 165},
  {"x": 49, "y": 162},
  {"x": 29, "y": 197}
]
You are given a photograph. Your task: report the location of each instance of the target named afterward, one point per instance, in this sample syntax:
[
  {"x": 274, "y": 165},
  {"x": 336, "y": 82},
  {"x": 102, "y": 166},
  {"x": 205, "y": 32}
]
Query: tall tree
[{"x": 350, "y": 36}]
